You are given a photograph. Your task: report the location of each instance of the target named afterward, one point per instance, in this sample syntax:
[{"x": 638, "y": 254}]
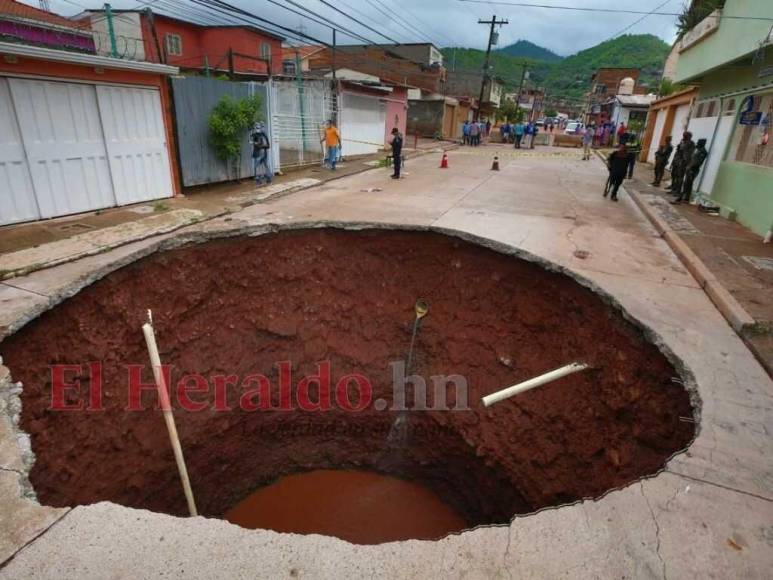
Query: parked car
[{"x": 573, "y": 128}]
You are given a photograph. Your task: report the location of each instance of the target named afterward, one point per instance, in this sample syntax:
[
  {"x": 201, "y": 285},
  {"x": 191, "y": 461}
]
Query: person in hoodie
[
  {"x": 260, "y": 152},
  {"x": 617, "y": 162}
]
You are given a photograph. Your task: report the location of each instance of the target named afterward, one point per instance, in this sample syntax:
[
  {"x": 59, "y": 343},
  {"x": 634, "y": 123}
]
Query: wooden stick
[{"x": 163, "y": 395}]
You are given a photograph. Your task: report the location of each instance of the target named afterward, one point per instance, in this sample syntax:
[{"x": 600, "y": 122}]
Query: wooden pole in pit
[{"x": 163, "y": 396}]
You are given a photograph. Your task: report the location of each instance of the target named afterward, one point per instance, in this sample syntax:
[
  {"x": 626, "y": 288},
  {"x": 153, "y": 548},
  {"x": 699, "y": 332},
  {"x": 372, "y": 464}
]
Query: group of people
[
  {"x": 474, "y": 131},
  {"x": 685, "y": 166},
  {"x": 522, "y": 135}
]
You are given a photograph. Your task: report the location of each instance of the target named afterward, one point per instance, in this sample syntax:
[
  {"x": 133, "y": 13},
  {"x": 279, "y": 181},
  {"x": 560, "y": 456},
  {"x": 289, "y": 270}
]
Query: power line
[
  {"x": 627, "y": 28},
  {"x": 353, "y": 19},
  {"x": 606, "y": 10}
]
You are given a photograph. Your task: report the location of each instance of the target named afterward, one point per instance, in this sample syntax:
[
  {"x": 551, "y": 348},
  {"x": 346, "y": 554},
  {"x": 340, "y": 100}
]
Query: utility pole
[
  {"x": 492, "y": 39},
  {"x": 524, "y": 71},
  {"x": 334, "y": 55}
]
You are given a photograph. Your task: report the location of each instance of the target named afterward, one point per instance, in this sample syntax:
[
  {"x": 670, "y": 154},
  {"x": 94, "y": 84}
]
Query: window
[
  {"x": 288, "y": 67},
  {"x": 699, "y": 112},
  {"x": 265, "y": 50},
  {"x": 750, "y": 143},
  {"x": 730, "y": 107},
  {"x": 711, "y": 109},
  {"x": 174, "y": 44}
]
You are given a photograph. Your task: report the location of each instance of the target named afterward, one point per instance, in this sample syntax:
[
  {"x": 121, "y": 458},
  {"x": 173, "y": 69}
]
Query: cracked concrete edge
[
  {"x": 22, "y": 456},
  {"x": 194, "y": 237}
]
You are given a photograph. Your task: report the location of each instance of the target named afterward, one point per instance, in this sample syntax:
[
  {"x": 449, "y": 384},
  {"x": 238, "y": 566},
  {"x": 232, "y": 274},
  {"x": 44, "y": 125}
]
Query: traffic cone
[
  {"x": 495, "y": 165},
  {"x": 444, "y": 161}
]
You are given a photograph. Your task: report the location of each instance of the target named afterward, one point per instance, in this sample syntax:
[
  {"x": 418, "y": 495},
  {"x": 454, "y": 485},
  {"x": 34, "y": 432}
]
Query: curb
[{"x": 731, "y": 309}]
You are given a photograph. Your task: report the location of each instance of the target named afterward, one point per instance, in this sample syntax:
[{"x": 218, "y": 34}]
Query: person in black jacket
[
  {"x": 397, "y": 151},
  {"x": 618, "y": 167},
  {"x": 662, "y": 155}
]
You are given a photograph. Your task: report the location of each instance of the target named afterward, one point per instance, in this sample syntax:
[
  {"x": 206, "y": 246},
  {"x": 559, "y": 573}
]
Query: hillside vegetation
[
  {"x": 526, "y": 49},
  {"x": 569, "y": 77}
]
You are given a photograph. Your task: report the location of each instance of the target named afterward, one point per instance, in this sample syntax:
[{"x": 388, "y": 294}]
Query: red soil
[{"x": 240, "y": 305}]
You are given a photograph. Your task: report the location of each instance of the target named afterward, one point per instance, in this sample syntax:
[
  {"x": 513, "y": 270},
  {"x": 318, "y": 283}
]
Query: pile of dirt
[{"x": 240, "y": 306}]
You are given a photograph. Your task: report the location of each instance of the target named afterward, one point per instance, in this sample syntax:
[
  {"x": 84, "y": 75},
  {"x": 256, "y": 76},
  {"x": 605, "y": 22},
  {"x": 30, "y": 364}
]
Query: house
[
  {"x": 529, "y": 100},
  {"x": 729, "y": 56},
  {"x": 22, "y": 23},
  {"x": 424, "y": 53},
  {"x": 667, "y": 116},
  {"x": 383, "y": 62},
  {"x": 631, "y": 110},
  {"x": 80, "y": 131},
  {"x": 433, "y": 115},
  {"x": 293, "y": 55},
  {"x": 368, "y": 110},
  {"x": 468, "y": 84},
  {"x": 606, "y": 83},
  {"x": 242, "y": 51}
]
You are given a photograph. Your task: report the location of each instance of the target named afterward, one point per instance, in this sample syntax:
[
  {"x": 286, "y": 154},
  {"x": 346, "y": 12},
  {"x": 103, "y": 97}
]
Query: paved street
[{"x": 708, "y": 514}]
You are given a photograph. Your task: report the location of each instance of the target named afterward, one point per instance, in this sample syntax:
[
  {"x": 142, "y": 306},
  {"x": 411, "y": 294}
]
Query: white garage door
[
  {"x": 136, "y": 143},
  {"x": 17, "y": 197},
  {"x": 86, "y": 147},
  {"x": 362, "y": 124},
  {"x": 62, "y": 136}
]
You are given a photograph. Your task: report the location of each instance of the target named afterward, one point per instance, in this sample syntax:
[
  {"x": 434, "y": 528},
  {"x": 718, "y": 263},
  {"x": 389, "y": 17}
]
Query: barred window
[
  {"x": 174, "y": 45},
  {"x": 730, "y": 107}
]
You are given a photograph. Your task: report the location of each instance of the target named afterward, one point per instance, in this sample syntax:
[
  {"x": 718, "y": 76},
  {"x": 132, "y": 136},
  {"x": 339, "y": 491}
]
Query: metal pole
[
  {"x": 299, "y": 80},
  {"x": 111, "y": 31},
  {"x": 334, "y": 55}
]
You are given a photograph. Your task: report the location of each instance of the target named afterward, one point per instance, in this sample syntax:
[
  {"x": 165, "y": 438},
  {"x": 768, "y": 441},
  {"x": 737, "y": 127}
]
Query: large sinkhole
[{"x": 242, "y": 306}]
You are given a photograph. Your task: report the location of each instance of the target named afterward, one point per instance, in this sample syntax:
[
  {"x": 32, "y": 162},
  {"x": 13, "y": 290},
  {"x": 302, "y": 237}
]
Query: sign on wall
[{"x": 748, "y": 115}]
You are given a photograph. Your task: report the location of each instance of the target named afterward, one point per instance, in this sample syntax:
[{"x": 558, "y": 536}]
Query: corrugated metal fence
[{"x": 194, "y": 99}]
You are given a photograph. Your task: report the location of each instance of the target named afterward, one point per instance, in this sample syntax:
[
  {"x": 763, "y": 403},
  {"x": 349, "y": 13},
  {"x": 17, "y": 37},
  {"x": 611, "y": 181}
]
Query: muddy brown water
[
  {"x": 241, "y": 305},
  {"x": 357, "y": 506}
]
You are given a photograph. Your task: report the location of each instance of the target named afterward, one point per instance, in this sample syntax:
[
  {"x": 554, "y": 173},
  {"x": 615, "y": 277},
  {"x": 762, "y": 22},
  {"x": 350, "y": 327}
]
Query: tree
[
  {"x": 694, "y": 13},
  {"x": 551, "y": 113},
  {"x": 507, "y": 112},
  {"x": 228, "y": 123}
]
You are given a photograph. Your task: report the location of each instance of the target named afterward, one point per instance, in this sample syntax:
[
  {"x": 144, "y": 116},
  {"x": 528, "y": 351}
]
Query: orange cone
[
  {"x": 495, "y": 165},
  {"x": 444, "y": 161}
]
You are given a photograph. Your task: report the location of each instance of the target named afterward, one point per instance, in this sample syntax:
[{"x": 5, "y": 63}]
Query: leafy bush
[{"x": 228, "y": 123}]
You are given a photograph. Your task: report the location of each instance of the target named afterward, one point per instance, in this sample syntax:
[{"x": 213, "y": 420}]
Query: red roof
[{"x": 26, "y": 12}]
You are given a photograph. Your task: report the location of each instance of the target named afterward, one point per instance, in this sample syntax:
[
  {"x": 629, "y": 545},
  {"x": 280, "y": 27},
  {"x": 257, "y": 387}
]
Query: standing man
[
  {"x": 474, "y": 134},
  {"x": 691, "y": 171},
  {"x": 634, "y": 149},
  {"x": 488, "y": 128},
  {"x": 618, "y": 165},
  {"x": 518, "y": 134},
  {"x": 662, "y": 155},
  {"x": 534, "y": 133},
  {"x": 587, "y": 140},
  {"x": 260, "y": 149},
  {"x": 397, "y": 152},
  {"x": 528, "y": 132},
  {"x": 466, "y": 133},
  {"x": 620, "y": 132},
  {"x": 682, "y": 156},
  {"x": 332, "y": 141}
]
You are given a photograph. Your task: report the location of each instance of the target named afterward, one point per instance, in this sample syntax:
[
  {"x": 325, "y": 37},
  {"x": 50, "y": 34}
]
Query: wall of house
[
  {"x": 733, "y": 39},
  {"x": 217, "y": 41},
  {"x": 396, "y": 112},
  {"x": 425, "y": 118},
  {"x": 127, "y": 28},
  {"x": 745, "y": 189},
  {"x": 71, "y": 72}
]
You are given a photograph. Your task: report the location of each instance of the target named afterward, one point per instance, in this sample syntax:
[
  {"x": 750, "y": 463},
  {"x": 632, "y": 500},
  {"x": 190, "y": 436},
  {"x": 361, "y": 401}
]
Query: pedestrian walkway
[
  {"x": 29, "y": 247},
  {"x": 738, "y": 259}
]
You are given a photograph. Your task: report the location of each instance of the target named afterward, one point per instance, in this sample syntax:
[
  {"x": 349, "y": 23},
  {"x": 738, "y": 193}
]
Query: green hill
[
  {"x": 526, "y": 49},
  {"x": 569, "y": 77}
]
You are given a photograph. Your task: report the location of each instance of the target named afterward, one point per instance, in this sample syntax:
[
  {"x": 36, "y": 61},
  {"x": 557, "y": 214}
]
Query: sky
[{"x": 443, "y": 22}]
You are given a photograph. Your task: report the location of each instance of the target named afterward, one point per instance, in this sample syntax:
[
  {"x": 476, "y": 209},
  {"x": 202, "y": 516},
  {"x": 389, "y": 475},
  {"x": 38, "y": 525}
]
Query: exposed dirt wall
[{"x": 239, "y": 306}]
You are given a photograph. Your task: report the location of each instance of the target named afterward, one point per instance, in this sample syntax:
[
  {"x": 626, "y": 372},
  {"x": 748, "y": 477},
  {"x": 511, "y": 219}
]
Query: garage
[
  {"x": 74, "y": 147},
  {"x": 362, "y": 123}
]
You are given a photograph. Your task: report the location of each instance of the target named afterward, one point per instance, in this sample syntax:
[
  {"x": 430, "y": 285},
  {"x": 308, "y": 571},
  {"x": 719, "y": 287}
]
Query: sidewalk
[
  {"x": 732, "y": 254},
  {"x": 28, "y": 247}
]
